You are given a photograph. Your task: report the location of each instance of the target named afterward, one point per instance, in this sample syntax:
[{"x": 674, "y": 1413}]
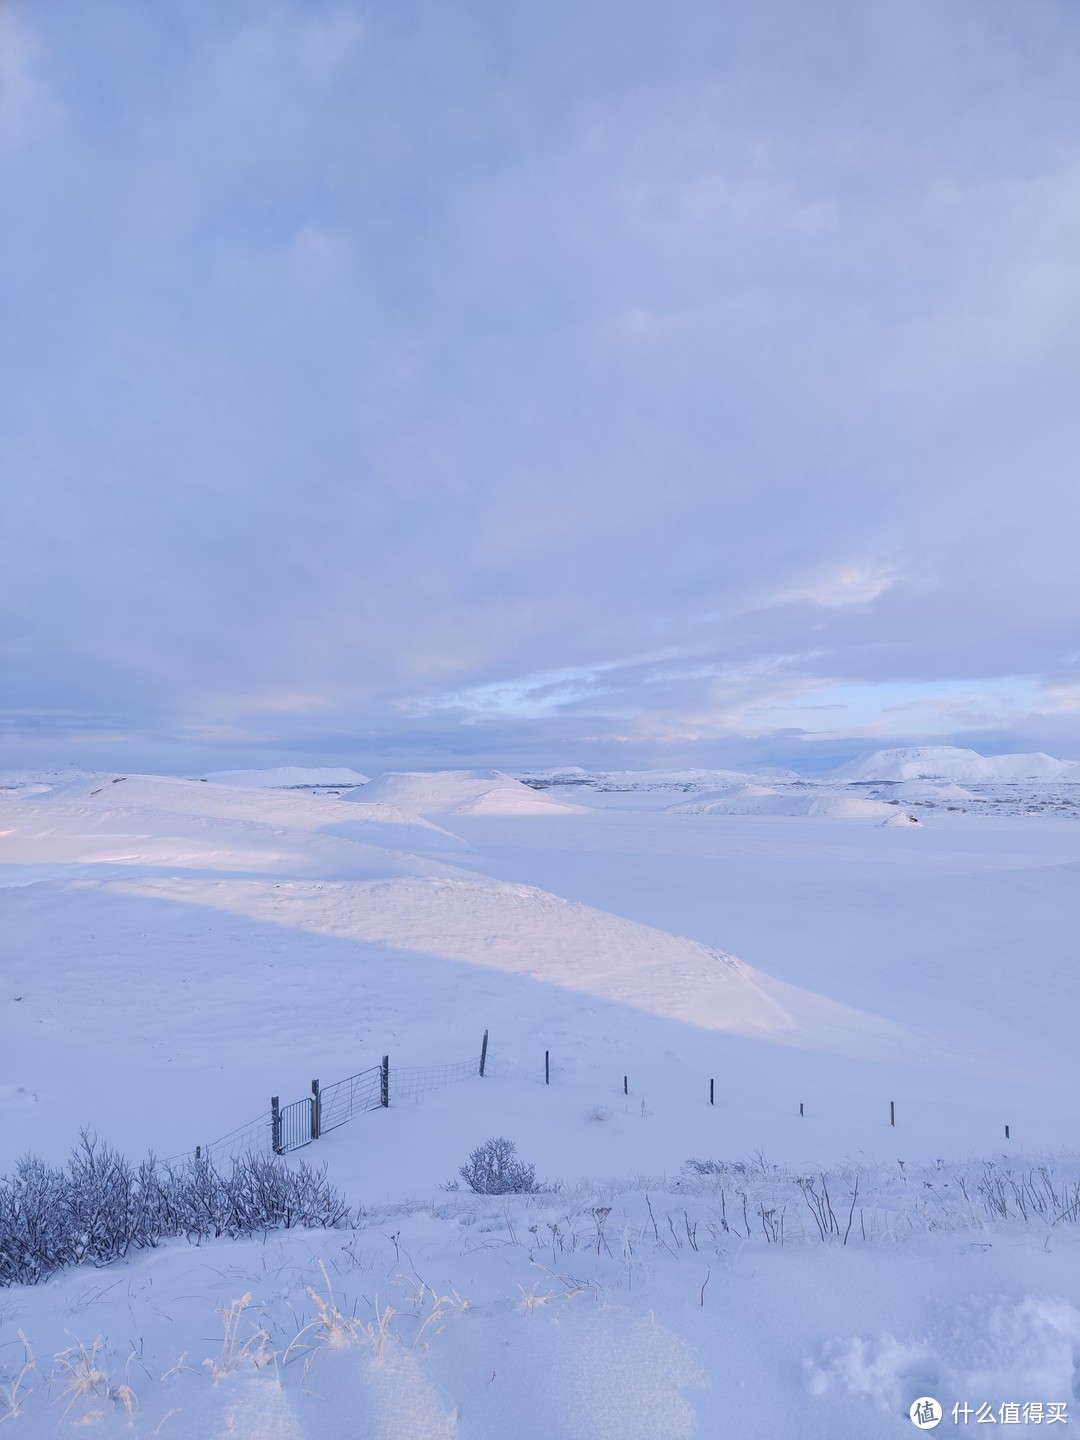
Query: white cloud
[
  {"x": 17, "y": 82},
  {"x": 851, "y": 584}
]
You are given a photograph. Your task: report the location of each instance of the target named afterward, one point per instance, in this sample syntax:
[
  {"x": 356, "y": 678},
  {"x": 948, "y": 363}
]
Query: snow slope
[{"x": 163, "y": 822}]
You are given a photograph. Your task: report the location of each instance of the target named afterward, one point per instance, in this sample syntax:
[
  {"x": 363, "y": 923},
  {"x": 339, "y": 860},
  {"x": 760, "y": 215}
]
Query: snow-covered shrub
[
  {"x": 33, "y": 1236},
  {"x": 99, "y": 1207},
  {"x": 264, "y": 1194},
  {"x": 101, "y": 1204},
  {"x": 494, "y": 1169}
]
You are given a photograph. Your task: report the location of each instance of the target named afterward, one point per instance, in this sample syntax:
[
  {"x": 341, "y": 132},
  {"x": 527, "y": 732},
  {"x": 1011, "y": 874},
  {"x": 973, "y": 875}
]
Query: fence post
[
  {"x": 198, "y": 1148},
  {"x": 712, "y": 1092},
  {"x": 625, "y": 1086},
  {"x": 384, "y": 1082},
  {"x": 316, "y": 1113},
  {"x": 483, "y": 1052},
  {"x": 892, "y": 1112},
  {"x": 801, "y": 1111},
  {"x": 275, "y": 1125},
  {"x": 1006, "y": 1132},
  {"x": 547, "y": 1067}
]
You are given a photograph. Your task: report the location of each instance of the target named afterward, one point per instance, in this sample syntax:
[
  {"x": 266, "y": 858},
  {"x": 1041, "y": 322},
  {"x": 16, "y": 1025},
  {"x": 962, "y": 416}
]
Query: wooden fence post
[
  {"x": 547, "y": 1067},
  {"x": 712, "y": 1092},
  {"x": 384, "y": 1082},
  {"x": 316, "y": 1110},
  {"x": 275, "y": 1125},
  {"x": 625, "y": 1086},
  {"x": 892, "y": 1112},
  {"x": 1006, "y": 1132},
  {"x": 483, "y": 1053},
  {"x": 801, "y": 1111}
]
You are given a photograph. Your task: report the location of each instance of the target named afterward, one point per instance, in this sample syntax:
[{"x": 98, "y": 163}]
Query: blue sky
[{"x": 415, "y": 384}]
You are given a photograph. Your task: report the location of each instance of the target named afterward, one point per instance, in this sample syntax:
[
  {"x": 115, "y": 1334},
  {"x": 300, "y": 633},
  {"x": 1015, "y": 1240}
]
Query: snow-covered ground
[{"x": 177, "y": 951}]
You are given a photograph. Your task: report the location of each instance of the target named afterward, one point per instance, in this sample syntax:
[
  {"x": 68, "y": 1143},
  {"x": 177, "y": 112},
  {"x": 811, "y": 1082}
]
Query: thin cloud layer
[{"x": 483, "y": 383}]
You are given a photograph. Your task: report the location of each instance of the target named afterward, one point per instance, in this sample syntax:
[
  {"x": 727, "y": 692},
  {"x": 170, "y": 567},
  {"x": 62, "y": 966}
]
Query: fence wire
[
  {"x": 409, "y": 1081},
  {"x": 254, "y": 1138},
  {"x": 511, "y": 1070}
]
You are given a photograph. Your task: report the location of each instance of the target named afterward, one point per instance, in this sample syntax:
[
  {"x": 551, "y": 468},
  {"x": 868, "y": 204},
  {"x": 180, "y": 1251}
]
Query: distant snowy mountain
[{"x": 947, "y": 762}]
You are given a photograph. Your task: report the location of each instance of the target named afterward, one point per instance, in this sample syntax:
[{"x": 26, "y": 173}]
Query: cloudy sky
[{"x": 408, "y": 383}]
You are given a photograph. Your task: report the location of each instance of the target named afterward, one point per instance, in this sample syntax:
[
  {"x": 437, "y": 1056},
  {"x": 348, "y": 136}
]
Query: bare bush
[
  {"x": 99, "y": 1207},
  {"x": 494, "y": 1169}
]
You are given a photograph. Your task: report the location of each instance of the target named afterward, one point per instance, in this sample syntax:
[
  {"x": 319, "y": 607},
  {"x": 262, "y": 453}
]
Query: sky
[{"x": 406, "y": 384}]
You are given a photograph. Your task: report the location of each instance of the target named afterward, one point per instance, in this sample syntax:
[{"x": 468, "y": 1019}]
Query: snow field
[
  {"x": 176, "y": 951},
  {"x": 611, "y": 1312}
]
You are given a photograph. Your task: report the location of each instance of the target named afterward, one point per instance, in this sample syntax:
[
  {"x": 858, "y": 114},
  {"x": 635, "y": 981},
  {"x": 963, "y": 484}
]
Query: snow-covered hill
[
  {"x": 946, "y": 762},
  {"x": 764, "y": 800},
  {"x": 291, "y": 777},
  {"x": 461, "y": 792}
]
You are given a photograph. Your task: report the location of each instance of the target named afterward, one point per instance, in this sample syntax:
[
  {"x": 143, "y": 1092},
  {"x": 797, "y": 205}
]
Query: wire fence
[
  {"x": 285, "y": 1128},
  {"x": 254, "y": 1138},
  {"x": 416, "y": 1080}
]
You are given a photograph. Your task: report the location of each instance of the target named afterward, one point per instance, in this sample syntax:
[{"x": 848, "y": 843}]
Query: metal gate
[
  {"x": 345, "y": 1098},
  {"x": 292, "y": 1125}
]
